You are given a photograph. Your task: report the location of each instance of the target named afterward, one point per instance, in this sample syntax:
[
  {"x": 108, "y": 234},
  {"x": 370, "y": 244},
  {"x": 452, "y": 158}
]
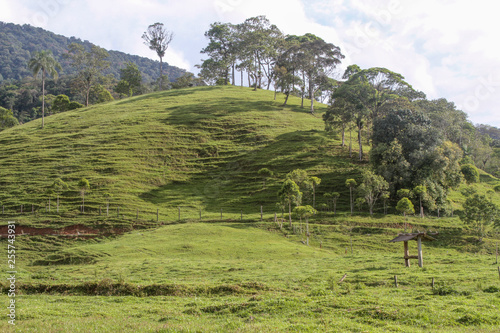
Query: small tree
[
  {"x": 470, "y": 172},
  {"x": 290, "y": 194},
  {"x": 372, "y": 188},
  {"x": 157, "y": 38},
  {"x": 45, "y": 63},
  {"x": 83, "y": 186},
  {"x": 351, "y": 183},
  {"x": 420, "y": 190},
  {"x": 265, "y": 173},
  {"x": 306, "y": 212},
  {"x": 385, "y": 197},
  {"x": 315, "y": 181},
  {"x": 335, "y": 197},
  {"x": 479, "y": 212},
  {"x": 405, "y": 206},
  {"x": 108, "y": 199},
  {"x": 58, "y": 187}
]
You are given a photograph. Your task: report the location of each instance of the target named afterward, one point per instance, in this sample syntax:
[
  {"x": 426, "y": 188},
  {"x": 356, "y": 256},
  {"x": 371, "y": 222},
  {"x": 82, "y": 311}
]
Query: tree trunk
[
  {"x": 43, "y": 98},
  {"x": 307, "y": 230},
  {"x": 286, "y": 97},
  {"x": 350, "y": 143},
  {"x": 311, "y": 96},
  {"x": 161, "y": 73},
  {"x": 360, "y": 143},
  {"x": 233, "y": 76},
  {"x": 352, "y": 201},
  {"x": 343, "y": 135}
]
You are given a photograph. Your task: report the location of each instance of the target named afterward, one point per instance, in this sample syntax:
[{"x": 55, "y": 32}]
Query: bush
[{"x": 470, "y": 172}]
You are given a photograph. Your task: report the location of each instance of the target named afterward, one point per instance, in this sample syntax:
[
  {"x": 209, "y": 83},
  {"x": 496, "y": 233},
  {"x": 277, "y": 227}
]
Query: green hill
[
  {"x": 196, "y": 148},
  {"x": 201, "y": 149}
]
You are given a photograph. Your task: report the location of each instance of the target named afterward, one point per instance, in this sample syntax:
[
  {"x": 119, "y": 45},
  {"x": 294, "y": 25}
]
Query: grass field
[{"x": 193, "y": 150}]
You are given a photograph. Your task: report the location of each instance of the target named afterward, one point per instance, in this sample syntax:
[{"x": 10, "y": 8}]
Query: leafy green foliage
[
  {"x": 22, "y": 40},
  {"x": 470, "y": 172},
  {"x": 479, "y": 212},
  {"x": 7, "y": 119}
]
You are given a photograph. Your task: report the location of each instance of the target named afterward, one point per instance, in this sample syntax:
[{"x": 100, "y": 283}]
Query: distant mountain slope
[{"x": 17, "y": 42}]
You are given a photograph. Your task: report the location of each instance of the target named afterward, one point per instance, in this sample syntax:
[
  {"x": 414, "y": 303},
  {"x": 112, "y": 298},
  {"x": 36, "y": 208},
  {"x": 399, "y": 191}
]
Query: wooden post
[
  {"x": 396, "y": 281},
  {"x": 157, "y": 214},
  {"x": 107, "y": 209},
  {"x": 241, "y": 217},
  {"x": 343, "y": 278},
  {"x": 261, "y": 213},
  {"x": 3, "y": 211},
  {"x": 499, "y": 272},
  {"x": 407, "y": 254},
  {"x": 496, "y": 262},
  {"x": 179, "y": 213},
  {"x": 57, "y": 204},
  {"x": 275, "y": 218},
  {"x": 136, "y": 215},
  {"x": 200, "y": 214},
  {"x": 420, "y": 257},
  {"x": 307, "y": 231},
  {"x": 432, "y": 283},
  {"x": 221, "y": 214}
]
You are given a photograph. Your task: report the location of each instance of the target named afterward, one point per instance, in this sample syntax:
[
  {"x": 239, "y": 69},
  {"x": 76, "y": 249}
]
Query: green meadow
[{"x": 183, "y": 246}]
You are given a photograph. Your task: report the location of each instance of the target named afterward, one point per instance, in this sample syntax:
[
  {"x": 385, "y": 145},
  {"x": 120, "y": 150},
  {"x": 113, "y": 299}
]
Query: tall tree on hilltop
[
  {"x": 157, "y": 38},
  {"x": 45, "y": 63},
  {"x": 319, "y": 60},
  {"x": 258, "y": 44},
  {"x": 221, "y": 48},
  {"x": 89, "y": 65}
]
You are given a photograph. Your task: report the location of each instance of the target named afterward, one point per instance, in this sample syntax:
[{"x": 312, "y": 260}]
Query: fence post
[
  {"x": 396, "y": 281},
  {"x": 179, "y": 213},
  {"x": 221, "y": 214},
  {"x": 241, "y": 217},
  {"x": 200, "y": 214},
  {"x": 157, "y": 214},
  {"x": 260, "y": 213},
  {"x": 137, "y": 214}
]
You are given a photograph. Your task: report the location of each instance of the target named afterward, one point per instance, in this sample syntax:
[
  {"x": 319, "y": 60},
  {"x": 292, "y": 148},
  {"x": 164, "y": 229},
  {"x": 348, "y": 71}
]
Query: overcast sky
[{"x": 445, "y": 48}]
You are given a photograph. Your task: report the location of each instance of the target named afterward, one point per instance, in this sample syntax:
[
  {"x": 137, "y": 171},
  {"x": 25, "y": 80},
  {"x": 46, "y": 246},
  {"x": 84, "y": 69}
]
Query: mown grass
[{"x": 249, "y": 277}]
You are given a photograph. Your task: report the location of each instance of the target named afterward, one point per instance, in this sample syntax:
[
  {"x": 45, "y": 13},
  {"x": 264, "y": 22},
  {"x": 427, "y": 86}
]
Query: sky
[{"x": 447, "y": 48}]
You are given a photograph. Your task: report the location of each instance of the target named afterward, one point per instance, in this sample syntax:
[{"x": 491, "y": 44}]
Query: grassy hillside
[
  {"x": 201, "y": 148},
  {"x": 196, "y": 149}
]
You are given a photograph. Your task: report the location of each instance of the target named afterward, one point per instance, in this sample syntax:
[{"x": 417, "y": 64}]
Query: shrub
[{"x": 470, "y": 172}]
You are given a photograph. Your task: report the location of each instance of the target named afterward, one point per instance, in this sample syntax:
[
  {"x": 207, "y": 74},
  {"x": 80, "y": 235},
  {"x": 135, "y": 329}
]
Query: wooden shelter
[{"x": 419, "y": 237}]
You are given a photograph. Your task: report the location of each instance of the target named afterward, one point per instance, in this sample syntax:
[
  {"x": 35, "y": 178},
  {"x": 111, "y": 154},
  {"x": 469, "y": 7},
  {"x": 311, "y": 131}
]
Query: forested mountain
[{"x": 18, "y": 42}]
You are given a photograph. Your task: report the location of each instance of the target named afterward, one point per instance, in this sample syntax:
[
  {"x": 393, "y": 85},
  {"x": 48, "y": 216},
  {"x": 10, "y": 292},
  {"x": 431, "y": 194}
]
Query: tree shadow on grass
[{"x": 231, "y": 181}]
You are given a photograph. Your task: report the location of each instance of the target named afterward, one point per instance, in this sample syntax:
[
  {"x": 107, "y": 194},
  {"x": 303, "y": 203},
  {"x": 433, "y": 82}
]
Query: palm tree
[{"x": 44, "y": 61}]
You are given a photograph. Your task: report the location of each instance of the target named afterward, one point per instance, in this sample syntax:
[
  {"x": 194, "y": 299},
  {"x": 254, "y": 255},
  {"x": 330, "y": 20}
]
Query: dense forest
[
  {"x": 18, "y": 42},
  {"x": 20, "y": 91}
]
